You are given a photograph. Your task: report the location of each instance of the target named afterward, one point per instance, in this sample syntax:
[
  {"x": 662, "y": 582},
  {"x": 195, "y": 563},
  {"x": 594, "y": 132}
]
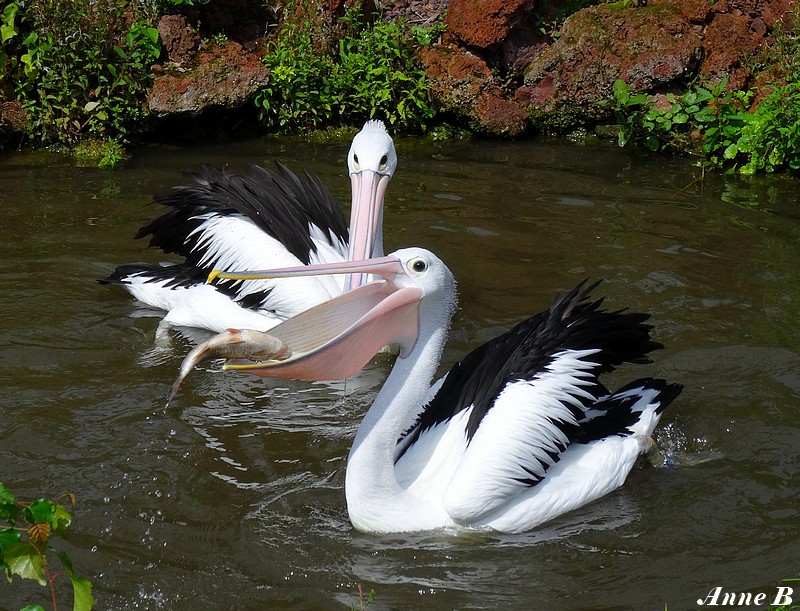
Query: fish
[{"x": 247, "y": 344}]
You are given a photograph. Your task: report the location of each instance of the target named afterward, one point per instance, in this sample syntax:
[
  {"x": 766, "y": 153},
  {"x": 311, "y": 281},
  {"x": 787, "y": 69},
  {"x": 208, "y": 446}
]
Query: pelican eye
[
  {"x": 355, "y": 160},
  {"x": 418, "y": 265},
  {"x": 384, "y": 161}
]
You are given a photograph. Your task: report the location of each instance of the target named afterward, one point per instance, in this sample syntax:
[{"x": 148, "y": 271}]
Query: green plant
[
  {"x": 81, "y": 67},
  {"x": 300, "y": 91},
  {"x": 428, "y": 35},
  {"x": 372, "y": 72},
  {"x": 718, "y": 117},
  {"x": 105, "y": 153},
  {"x": 718, "y": 123},
  {"x": 217, "y": 39},
  {"x": 790, "y": 606},
  {"x": 9, "y": 30},
  {"x": 705, "y": 120},
  {"x": 770, "y": 140},
  {"x": 364, "y": 601},
  {"x": 629, "y": 108},
  {"x": 378, "y": 69},
  {"x": 25, "y": 545}
]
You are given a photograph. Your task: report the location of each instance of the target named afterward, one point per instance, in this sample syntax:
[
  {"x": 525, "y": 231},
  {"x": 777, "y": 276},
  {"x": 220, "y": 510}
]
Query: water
[{"x": 233, "y": 496}]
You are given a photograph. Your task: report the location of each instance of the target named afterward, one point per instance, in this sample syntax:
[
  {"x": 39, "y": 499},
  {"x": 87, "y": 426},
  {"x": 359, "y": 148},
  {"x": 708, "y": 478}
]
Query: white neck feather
[{"x": 375, "y": 500}]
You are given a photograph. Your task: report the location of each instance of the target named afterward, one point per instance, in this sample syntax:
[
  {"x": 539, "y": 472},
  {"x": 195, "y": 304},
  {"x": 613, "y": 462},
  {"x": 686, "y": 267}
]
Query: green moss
[
  {"x": 103, "y": 153},
  {"x": 563, "y": 118}
]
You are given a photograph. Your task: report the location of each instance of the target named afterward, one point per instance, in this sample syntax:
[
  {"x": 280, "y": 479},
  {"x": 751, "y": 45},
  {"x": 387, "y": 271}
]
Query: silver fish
[{"x": 233, "y": 344}]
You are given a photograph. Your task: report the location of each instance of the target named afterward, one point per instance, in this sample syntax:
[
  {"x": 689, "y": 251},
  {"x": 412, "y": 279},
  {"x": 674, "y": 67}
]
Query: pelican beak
[
  {"x": 366, "y": 219},
  {"x": 336, "y": 339}
]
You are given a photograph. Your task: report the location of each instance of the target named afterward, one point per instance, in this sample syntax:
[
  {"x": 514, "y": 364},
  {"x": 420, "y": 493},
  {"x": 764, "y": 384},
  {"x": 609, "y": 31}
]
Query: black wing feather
[
  {"x": 613, "y": 414},
  {"x": 571, "y": 323},
  {"x": 279, "y": 202}
]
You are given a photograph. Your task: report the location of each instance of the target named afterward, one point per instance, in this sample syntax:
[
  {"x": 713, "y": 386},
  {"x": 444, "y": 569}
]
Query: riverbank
[{"x": 683, "y": 75}]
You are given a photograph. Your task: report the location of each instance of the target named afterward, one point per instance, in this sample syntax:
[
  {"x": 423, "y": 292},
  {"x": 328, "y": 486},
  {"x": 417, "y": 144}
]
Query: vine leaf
[
  {"x": 22, "y": 559},
  {"x": 81, "y": 588}
]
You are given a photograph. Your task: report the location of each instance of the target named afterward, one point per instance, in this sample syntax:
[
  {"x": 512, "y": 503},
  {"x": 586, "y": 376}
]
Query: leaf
[
  {"x": 82, "y": 592},
  {"x": 22, "y": 559},
  {"x": 621, "y": 91},
  {"x": 8, "y": 506},
  {"x": 39, "y": 533},
  {"x": 651, "y": 142},
  {"x": 81, "y": 588},
  {"x": 731, "y": 151},
  {"x": 41, "y": 510},
  {"x": 90, "y": 106},
  {"x": 151, "y": 33},
  {"x": 7, "y": 537},
  {"x": 7, "y": 32}
]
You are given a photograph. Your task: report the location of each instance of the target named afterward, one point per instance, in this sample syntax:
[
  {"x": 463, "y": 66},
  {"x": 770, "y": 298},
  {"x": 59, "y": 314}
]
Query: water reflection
[{"x": 234, "y": 494}]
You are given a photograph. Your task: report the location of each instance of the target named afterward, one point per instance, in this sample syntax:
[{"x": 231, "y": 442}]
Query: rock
[
  {"x": 728, "y": 39},
  {"x": 462, "y": 83},
  {"x": 178, "y": 38},
  {"x": 484, "y": 23},
  {"x": 13, "y": 121},
  {"x": 221, "y": 76},
  {"x": 647, "y": 48}
]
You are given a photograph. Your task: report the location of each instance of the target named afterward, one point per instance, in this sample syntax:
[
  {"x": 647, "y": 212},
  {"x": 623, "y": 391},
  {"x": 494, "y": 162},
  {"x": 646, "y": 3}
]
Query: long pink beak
[
  {"x": 366, "y": 220},
  {"x": 336, "y": 339}
]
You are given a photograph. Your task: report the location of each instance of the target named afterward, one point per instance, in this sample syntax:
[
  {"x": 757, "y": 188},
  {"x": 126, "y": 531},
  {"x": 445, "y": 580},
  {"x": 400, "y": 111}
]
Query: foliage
[
  {"x": 770, "y": 140},
  {"x": 25, "y": 543},
  {"x": 721, "y": 125},
  {"x": 364, "y": 601},
  {"x": 788, "y": 607},
  {"x": 105, "y": 153},
  {"x": 80, "y": 67},
  {"x": 708, "y": 111},
  {"x": 716, "y": 123},
  {"x": 372, "y": 72}
]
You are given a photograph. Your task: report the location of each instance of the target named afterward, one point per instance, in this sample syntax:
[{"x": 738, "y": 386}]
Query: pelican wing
[
  {"x": 280, "y": 204},
  {"x": 520, "y": 397},
  {"x": 259, "y": 220}
]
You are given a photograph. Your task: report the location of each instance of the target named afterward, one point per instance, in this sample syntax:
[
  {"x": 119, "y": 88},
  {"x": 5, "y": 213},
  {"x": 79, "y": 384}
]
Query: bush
[
  {"x": 25, "y": 546},
  {"x": 718, "y": 124},
  {"x": 371, "y": 73},
  {"x": 80, "y": 67}
]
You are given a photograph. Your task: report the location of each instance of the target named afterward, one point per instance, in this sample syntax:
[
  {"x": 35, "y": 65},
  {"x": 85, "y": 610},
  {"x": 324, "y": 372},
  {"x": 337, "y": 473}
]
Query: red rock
[
  {"x": 222, "y": 76},
  {"x": 13, "y": 120},
  {"x": 728, "y": 39},
  {"x": 462, "y": 83},
  {"x": 646, "y": 48},
  {"x": 483, "y": 23},
  {"x": 178, "y": 38}
]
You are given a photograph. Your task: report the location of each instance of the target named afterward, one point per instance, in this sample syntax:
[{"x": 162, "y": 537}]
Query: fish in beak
[{"x": 331, "y": 341}]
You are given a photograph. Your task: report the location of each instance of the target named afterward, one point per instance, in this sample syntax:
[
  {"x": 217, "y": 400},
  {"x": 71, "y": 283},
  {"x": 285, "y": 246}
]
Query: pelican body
[
  {"x": 518, "y": 432},
  {"x": 263, "y": 218}
]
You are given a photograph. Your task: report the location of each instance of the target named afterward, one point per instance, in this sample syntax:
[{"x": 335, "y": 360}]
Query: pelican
[
  {"x": 518, "y": 432},
  {"x": 260, "y": 219}
]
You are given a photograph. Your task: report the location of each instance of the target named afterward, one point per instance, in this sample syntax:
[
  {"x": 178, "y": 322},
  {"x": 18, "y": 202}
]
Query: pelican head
[
  {"x": 414, "y": 296},
  {"x": 371, "y": 163}
]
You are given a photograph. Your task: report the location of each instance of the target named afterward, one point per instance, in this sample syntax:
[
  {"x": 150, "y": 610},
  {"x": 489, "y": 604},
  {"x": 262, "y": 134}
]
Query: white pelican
[
  {"x": 518, "y": 432},
  {"x": 261, "y": 219}
]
